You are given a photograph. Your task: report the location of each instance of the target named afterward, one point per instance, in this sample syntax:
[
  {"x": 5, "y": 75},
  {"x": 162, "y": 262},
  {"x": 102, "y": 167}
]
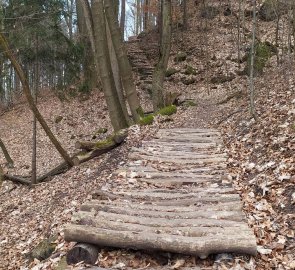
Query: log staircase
[
  {"x": 183, "y": 201},
  {"x": 140, "y": 64}
]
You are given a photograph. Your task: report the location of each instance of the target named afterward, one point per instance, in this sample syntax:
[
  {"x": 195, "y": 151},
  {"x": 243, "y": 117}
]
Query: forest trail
[{"x": 187, "y": 206}]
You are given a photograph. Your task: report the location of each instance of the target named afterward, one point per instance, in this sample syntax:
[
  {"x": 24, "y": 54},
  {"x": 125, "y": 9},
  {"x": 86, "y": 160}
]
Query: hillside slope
[{"x": 261, "y": 161}]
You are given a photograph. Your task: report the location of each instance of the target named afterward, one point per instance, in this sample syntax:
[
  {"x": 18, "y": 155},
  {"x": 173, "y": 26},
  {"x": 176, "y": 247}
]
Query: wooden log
[
  {"x": 92, "y": 154},
  {"x": 116, "y": 138},
  {"x": 6, "y": 154},
  {"x": 199, "y": 138},
  {"x": 169, "y": 199},
  {"x": 101, "y": 147},
  {"x": 85, "y": 145},
  {"x": 17, "y": 179},
  {"x": 190, "y": 130},
  {"x": 133, "y": 167},
  {"x": 176, "y": 160},
  {"x": 166, "y": 222},
  {"x": 178, "y": 144},
  {"x": 83, "y": 218},
  {"x": 179, "y": 181},
  {"x": 1, "y": 175},
  {"x": 221, "y": 214},
  {"x": 226, "y": 206},
  {"x": 83, "y": 252},
  {"x": 197, "y": 246},
  {"x": 61, "y": 168},
  {"x": 159, "y": 175},
  {"x": 177, "y": 154},
  {"x": 188, "y": 140},
  {"x": 205, "y": 195}
]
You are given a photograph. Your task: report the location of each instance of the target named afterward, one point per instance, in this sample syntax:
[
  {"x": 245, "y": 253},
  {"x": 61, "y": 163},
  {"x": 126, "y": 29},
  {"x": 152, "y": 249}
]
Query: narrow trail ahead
[{"x": 188, "y": 207}]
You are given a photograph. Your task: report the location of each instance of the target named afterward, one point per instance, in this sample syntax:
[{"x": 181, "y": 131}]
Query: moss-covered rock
[
  {"x": 263, "y": 51},
  {"x": 44, "y": 249},
  {"x": 146, "y": 120},
  {"x": 180, "y": 57},
  {"x": 168, "y": 110},
  {"x": 171, "y": 71},
  {"x": 189, "y": 70},
  {"x": 272, "y": 9}
]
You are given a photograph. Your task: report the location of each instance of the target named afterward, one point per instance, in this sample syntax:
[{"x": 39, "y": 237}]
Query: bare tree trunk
[
  {"x": 159, "y": 73},
  {"x": 252, "y": 103},
  {"x": 239, "y": 34},
  {"x": 116, "y": 72},
  {"x": 146, "y": 15},
  {"x": 124, "y": 65},
  {"x": 90, "y": 75},
  {"x": 1, "y": 175},
  {"x": 35, "y": 94},
  {"x": 123, "y": 18},
  {"x": 26, "y": 89},
  {"x": 184, "y": 18},
  {"x": 102, "y": 53},
  {"x": 6, "y": 154}
]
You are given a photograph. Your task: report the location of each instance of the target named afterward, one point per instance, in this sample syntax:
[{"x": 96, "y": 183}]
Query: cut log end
[{"x": 83, "y": 252}]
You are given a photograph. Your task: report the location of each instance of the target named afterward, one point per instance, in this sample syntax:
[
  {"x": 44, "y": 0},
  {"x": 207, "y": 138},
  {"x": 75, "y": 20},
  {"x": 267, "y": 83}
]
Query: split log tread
[{"x": 187, "y": 203}]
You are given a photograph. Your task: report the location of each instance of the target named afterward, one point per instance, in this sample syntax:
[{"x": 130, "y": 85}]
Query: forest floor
[{"x": 261, "y": 162}]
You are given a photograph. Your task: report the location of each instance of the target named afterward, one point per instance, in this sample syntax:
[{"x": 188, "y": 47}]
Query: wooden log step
[
  {"x": 191, "y": 154},
  {"x": 180, "y": 144},
  {"x": 200, "y": 197},
  {"x": 168, "y": 175},
  {"x": 201, "y": 137},
  {"x": 177, "y": 150},
  {"x": 198, "y": 246},
  {"x": 86, "y": 218},
  {"x": 173, "y": 198},
  {"x": 135, "y": 167},
  {"x": 159, "y": 175},
  {"x": 179, "y": 155},
  {"x": 162, "y": 222},
  {"x": 190, "y": 130},
  {"x": 151, "y": 206},
  {"x": 178, "y": 181},
  {"x": 224, "y": 215},
  {"x": 188, "y": 140},
  {"x": 212, "y": 136},
  {"x": 202, "y": 160}
]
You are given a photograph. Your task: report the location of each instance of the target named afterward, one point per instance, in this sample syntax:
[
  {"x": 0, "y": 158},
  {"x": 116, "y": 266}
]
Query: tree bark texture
[
  {"x": 125, "y": 68},
  {"x": 164, "y": 242},
  {"x": 83, "y": 252},
  {"x": 90, "y": 75},
  {"x": 102, "y": 53},
  {"x": 159, "y": 72},
  {"x": 6, "y": 154},
  {"x": 123, "y": 18}
]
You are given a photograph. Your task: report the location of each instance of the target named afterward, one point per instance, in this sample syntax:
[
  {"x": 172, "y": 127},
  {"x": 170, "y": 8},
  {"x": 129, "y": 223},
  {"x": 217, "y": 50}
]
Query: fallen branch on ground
[{"x": 97, "y": 148}]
